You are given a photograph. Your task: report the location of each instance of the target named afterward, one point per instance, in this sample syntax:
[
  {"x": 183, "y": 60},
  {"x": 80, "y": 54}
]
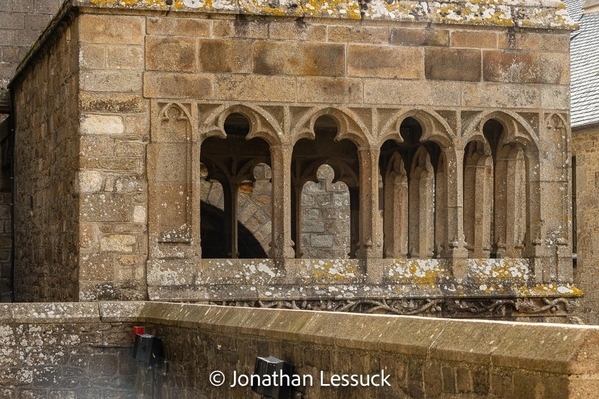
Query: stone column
[
  {"x": 457, "y": 251},
  {"x": 370, "y": 240},
  {"x": 281, "y": 245},
  {"x": 231, "y": 194},
  {"x": 297, "y": 224}
]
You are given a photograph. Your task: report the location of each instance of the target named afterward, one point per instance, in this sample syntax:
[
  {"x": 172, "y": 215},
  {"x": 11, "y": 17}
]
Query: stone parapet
[{"x": 83, "y": 350}]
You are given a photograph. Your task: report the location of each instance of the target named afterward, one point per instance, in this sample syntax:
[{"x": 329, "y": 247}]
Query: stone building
[{"x": 165, "y": 150}]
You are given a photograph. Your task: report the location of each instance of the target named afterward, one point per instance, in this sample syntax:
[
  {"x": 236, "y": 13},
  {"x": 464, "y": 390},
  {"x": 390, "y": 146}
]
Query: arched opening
[
  {"x": 495, "y": 201},
  {"x": 325, "y": 199},
  {"x": 414, "y": 194},
  {"x": 235, "y": 163}
]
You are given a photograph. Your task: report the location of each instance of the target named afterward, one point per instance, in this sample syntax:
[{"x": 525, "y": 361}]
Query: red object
[{"x": 138, "y": 330}]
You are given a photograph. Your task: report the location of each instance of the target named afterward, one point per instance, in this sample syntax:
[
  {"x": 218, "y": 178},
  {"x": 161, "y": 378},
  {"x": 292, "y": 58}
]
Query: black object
[
  {"x": 148, "y": 349},
  {"x": 272, "y": 366}
]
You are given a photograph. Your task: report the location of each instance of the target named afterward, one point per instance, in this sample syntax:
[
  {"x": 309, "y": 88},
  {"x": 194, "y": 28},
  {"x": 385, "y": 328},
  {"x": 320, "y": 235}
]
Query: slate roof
[{"x": 584, "y": 66}]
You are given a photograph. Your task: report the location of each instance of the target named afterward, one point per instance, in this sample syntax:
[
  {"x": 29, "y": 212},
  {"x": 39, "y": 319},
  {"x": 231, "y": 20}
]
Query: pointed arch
[
  {"x": 350, "y": 126},
  {"x": 434, "y": 127},
  {"x": 262, "y": 124}
]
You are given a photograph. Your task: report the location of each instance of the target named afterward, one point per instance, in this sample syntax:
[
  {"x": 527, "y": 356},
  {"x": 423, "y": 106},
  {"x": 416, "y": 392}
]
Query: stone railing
[{"x": 83, "y": 350}]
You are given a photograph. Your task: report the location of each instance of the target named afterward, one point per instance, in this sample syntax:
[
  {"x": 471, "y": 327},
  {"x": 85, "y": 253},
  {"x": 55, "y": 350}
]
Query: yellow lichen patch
[
  {"x": 416, "y": 271},
  {"x": 334, "y": 271},
  {"x": 499, "y": 269},
  {"x": 103, "y": 3}
]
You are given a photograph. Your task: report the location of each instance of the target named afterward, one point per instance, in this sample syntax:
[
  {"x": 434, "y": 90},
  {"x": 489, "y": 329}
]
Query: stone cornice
[{"x": 540, "y": 14}]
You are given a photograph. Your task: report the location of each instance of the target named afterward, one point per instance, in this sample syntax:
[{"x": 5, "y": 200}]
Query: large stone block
[
  {"x": 178, "y": 27},
  {"x": 385, "y": 62},
  {"x": 518, "y": 67},
  {"x": 419, "y": 37},
  {"x": 490, "y": 95},
  {"x": 474, "y": 39},
  {"x": 171, "y": 54},
  {"x": 412, "y": 93},
  {"x": 114, "y": 29},
  {"x": 128, "y": 57},
  {"x": 453, "y": 64},
  {"x": 358, "y": 34},
  {"x": 299, "y": 30},
  {"x": 178, "y": 85},
  {"x": 329, "y": 90},
  {"x": 225, "y": 56},
  {"x": 315, "y": 59},
  {"x": 101, "y": 124},
  {"x": 255, "y": 88},
  {"x": 113, "y": 80}
]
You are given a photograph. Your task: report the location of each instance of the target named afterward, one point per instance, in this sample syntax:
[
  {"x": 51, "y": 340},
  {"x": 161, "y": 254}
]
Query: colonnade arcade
[{"x": 416, "y": 189}]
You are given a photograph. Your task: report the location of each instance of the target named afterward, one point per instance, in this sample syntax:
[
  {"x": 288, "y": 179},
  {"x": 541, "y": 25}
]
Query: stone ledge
[
  {"x": 521, "y": 13},
  {"x": 547, "y": 348}
]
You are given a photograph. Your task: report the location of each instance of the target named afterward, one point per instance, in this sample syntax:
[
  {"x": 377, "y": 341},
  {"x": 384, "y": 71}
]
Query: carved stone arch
[
  {"x": 515, "y": 127},
  {"x": 262, "y": 124},
  {"x": 168, "y": 108},
  {"x": 434, "y": 127},
  {"x": 349, "y": 125}
]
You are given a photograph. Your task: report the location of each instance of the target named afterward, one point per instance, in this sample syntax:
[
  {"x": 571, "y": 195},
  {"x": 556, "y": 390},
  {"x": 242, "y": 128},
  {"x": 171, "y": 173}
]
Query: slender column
[
  {"x": 370, "y": 241},
  {"x": 354, "y": 219},
  {"x": 396, "y": 216},
  {"x": 455, "y": 211},
  {"x": 281, "y": 245}
]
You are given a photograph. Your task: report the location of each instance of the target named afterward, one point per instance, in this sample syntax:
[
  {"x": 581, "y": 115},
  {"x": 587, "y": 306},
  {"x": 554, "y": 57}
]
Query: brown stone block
[
  {"x": 518, "y": 67},
  {"x": 118, "y": 81},
  {"x": 519, "y": 41},
  {"x": 297, "y": 30},
  {"x": 92, "y": 56},
  {"x": 476, "y": 39},
  {"x": 298, "y": 59},
  {"x": 130, "y": 149},
  {"x": 240, "y": 28},
  {"x": 256, "y": 88},
  {"x": 124, "y": 57},
  {"x": 225, "y": 56},
  {"x": 497, "y": 95},
  {"x": 178, "y": 27},
  {"x": 171, "y": 53},
  {"x": 358, "y": 34},
  {"x": 113, "y": 103},
  {"x": 556, "y": 42},
  {"x": 329, "y": 90},
  {"x": 385, "y": 62},
  {"x": 178, "y": 85},
  {"x": 411, "y": 93},
  {"x": 419, "y": 37},
  {"x": 113, "y": 29},
  {"x": 452, "y": 64}
]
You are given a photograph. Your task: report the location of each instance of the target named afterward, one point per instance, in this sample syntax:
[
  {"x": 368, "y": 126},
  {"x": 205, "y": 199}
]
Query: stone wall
[
  {"x": 424, "y": 358},
  {"x": 21, "y": 22},
  {"x": 67, "y": 351},
  {"x": 46, "y": 169},
  {"x": 83, "y": 351},
  {"x": 586, "y": 273}
]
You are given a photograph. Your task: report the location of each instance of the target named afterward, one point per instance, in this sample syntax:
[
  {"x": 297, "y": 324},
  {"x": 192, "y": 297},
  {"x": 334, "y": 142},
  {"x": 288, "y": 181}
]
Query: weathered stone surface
[
  {"x": 452, "y": 64},
  {"x": 298, "y": 59},
  {"x": 334, "y": 90},
  {"x": 474, "y": 39},
  {"x": 521, "y": 67},
  {"x": 171, "y": 54},
  {"x": 177, "y": 85},
  {"x": 178, "y": 27},
  {"x": 419, "y": 37},
  {"x": 101, "y": 124},
  {"x": 112, "y": 30},
  {"x": 385, "y": 62},
  {"x": 225, "y": 56}
]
